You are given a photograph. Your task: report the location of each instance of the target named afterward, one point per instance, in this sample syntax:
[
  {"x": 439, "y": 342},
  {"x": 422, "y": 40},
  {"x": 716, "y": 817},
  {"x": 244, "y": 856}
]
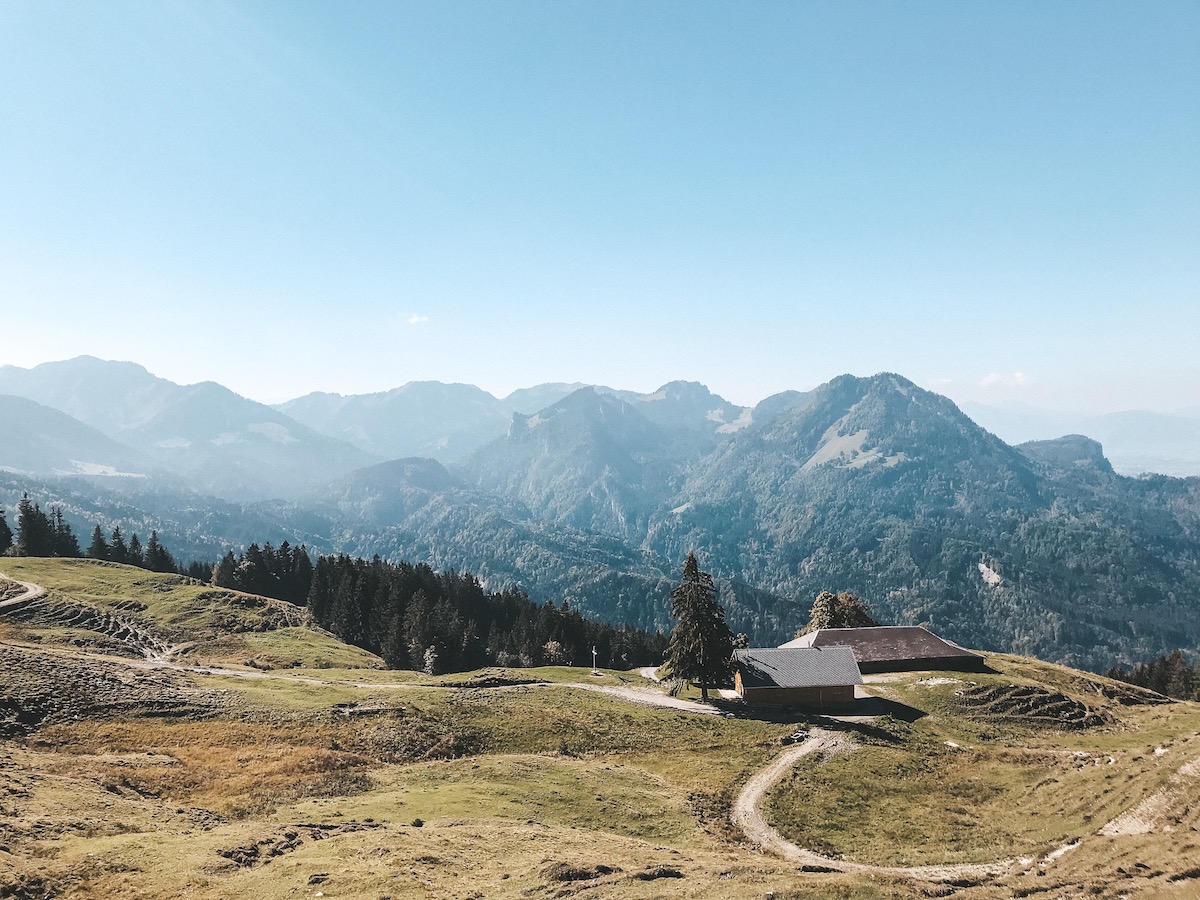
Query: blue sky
[{"x": 1000, "y": 201}]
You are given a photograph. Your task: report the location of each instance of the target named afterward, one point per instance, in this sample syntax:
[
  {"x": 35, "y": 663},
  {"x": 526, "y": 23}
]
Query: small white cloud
[
  {"x": 415, "y": 319},
  {"x": 1003, "y": 379}
]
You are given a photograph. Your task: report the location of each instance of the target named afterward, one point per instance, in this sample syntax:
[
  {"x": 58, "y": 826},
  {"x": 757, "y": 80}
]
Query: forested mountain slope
[
  {"x": 881, "y": 488},
  {"x": 416, "y": 509},
  {"x": 870, "y": 485}
]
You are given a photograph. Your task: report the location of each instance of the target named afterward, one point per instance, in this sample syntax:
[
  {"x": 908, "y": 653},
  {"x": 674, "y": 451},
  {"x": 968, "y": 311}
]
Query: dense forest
[{"x": 418, "y": 618}]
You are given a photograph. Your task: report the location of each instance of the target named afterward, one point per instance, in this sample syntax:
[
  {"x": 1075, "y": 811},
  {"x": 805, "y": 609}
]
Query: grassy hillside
[
  {"x": 154, "y": 777},
  {"x": 1002, "y": 765},
  {"x": 128, "y": 611}
]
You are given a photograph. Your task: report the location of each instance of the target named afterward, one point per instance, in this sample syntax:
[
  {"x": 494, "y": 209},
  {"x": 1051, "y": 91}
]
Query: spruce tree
[
  {"x": 302, "y": 576},
  {"x": 134, "y": 555},
  {"x": 98, "y": 548},
  {"x": 35, "y": 537},
  {"x": 844, "y": 610},
  {"x": 224, "y": 573},
  {"x": 1177, "y": 676},
  {"x": 158, "y": 557},
  {"x": 117, "y": 549},
  {"x": 6, "y": 535},
  {"x": 701, "y": 645},
  {"x": 63, "y": 538}
]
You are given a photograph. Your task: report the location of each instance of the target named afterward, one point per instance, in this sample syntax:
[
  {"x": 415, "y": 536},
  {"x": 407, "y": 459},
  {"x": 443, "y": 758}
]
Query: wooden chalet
[
  {"x": 814, "y": 677},
  {"x": 893, "y": 648}
]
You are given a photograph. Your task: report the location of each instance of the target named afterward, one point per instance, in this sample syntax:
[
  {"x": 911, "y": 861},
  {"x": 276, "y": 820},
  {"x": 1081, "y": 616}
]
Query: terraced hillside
[
  {"x": 159, "y": 739},
  {"x": 125, "y": 611}
]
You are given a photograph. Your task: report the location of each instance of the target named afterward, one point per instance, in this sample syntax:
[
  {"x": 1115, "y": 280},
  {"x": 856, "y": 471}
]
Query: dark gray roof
[
  {"x": 884, "y": 643},
  {"x": 807, "y": 667}
]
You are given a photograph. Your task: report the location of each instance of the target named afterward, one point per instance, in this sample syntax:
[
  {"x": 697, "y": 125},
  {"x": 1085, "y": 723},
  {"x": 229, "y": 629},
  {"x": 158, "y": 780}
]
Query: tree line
[
  {"x": 284, "y": 573},
  {"x": 1169, "y": 674},
  {"x": 41, "y": 533},
  {"x": 417, "y": 618}
]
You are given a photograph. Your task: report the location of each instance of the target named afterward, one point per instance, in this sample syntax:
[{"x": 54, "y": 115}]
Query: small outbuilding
[
  {"x": 893, "y": 648},
  {"x": 820, "y": 678}
]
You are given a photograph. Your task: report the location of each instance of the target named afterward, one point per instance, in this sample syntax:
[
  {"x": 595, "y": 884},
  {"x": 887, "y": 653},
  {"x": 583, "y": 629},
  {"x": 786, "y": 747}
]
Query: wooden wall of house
[{"x": 819, "y": 698}]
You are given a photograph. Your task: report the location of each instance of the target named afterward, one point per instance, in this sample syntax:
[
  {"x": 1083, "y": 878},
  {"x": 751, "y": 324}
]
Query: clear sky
[{"x": 999, "y": 200}]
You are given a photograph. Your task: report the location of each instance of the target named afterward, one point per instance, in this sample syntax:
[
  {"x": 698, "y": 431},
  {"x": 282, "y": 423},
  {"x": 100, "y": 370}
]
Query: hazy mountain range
[
  {"x": 1135, "y": 441},
  {"x": 594, "y": 496}
]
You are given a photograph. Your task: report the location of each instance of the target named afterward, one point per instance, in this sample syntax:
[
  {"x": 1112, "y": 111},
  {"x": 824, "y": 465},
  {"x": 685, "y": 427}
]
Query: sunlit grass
[
  {"x": 459, "y": 786},
  {"x": 211, "y": 625}
]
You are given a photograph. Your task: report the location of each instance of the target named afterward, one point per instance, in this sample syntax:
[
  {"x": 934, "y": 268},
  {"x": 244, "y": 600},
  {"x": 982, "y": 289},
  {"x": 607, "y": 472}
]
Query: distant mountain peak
[
  {"x": 680, "y": 389},
  {"x": 1069, "y": 451}
]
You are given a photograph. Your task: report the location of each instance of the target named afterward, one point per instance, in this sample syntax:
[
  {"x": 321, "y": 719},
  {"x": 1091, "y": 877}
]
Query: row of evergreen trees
[
  {"x": 38, "y": 533},
  {"x": 416, "y": 618},
  {"x": 48, "y": 534},
  {"x": 1169, "y": 674},
  {"x": 284, "y": 573},
  {"x": 410, "y": 615},
  {"x": 154, "y": 556}
]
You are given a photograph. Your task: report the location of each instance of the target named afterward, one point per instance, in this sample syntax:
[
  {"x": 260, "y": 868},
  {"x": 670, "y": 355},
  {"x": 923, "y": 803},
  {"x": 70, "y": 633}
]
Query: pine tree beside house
[{"x": 701, "y": 645}]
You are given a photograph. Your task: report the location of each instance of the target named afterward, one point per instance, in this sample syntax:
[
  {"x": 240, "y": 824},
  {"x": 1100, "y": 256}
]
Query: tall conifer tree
[
  {"x": 134, "y": 556},
  {"x": 98, "y": 548},
  {"x": 35, "y": 537},
  {"x": 118, "y": 551},
  {"x": 701, "y": 645},
  {"x": 63, "y": 540},
  {"x": 6, "y": 536}
]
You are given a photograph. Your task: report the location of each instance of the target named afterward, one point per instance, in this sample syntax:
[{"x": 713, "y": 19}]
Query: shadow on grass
[
  {"x": 855, "y": 714},
  {"x": 881, "y": 706}
]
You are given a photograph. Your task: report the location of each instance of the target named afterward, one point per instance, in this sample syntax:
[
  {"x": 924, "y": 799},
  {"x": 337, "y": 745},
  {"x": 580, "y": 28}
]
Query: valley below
[{"x": 159, "y": 738}]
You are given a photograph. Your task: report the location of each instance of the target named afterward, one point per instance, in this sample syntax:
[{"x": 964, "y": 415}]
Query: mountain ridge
[
  {"x": 870, "y": 484},
  {"x": 203, "y": 433}
]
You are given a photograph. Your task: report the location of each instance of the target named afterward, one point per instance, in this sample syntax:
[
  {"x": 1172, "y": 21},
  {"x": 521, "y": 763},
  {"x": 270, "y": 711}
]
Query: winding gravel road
[
  {"x": 31, "y": 592},
  {"x": 747, "y": 814}
]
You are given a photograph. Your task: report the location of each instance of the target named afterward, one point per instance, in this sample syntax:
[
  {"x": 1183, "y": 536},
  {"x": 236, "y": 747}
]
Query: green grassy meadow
[{"x": 327, "y": 774}]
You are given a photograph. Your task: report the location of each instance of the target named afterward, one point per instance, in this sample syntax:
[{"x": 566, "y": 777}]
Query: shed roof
[
  {"x": 797, "y": 667},
  {"x": 883, "y": 643}
]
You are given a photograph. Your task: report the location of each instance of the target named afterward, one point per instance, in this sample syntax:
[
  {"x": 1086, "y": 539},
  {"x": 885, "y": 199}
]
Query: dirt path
[
  {"x": 31, "y": 591},
  {"x": 747, "y": 815},
  {"x": 1152, "y": 813},
  {"x": 648, "y": 697}
]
